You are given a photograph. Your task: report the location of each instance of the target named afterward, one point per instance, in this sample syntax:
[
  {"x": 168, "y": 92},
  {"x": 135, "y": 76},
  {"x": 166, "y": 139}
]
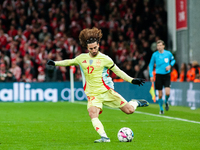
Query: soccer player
[
  {"x": 163, "y": 60},
  {"x": 97, "y": 84}
]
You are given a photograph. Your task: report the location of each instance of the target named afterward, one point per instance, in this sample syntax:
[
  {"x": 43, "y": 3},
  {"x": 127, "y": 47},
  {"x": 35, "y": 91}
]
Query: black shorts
[{"x": 162, "y": 80}]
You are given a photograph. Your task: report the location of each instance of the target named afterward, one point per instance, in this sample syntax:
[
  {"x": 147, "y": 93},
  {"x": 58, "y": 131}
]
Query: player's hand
[
  {"x": 151, "y": 79},
  {"x": 138, "y": 81},
  {"x": 51, "y": 63},
  {"x": 168, "y": 68}
]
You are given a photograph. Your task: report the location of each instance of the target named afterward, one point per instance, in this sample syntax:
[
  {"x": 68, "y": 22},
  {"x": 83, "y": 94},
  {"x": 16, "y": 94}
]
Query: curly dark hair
[{"x": 89, "y": 36}]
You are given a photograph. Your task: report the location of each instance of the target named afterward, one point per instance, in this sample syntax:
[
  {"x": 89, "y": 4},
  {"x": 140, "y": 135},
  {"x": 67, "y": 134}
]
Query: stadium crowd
[{"x": 31, "y": 32}]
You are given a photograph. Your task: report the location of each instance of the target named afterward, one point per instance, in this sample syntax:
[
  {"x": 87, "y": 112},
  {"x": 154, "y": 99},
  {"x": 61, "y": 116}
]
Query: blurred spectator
[
  {"x": 97, "y": 15},
  {"x": 32, "y": 40},
  {"x": 141, "y": 64},
  {"x": 15, "y": 70},
  {"x": 9, "y": 3},
  {"x": 20, "y": 35},
  {"x": 190, "y": 75},
  {"x": 4, "y": 59},
  {"x": 109, "y": 40},
  {"x": 3, "y": 39},
  {"x": 52, "y": 74},
  {"x": 112, "y": 24},
  {"x": 44, "y": 34},
  {"x": 196, "y": 67},
  {"x": 197, "y": 79},
  {"x": 75, "y": 29},
  {"x": 104, "y": 47},
  {"x": 174, "y": 75},
  {"x": 146, "y": 52},
  {"x": 41, "y": 55},
  {"x": 29, "y": 9},
  {"x": 183, "y": 73},
  {"x": 146, "y": 74},
  {"x": 137, "y": 72},
  {"x": 32, "y": 50},
  {"x": 128, "y": 69},
  {"x": 27, "y": 31},
  {"x": 112, "y": 51},
  {"x": 192, "y": 72},
  {"x": 78, "y": 76},
  {"x": 41, "y": 74},
  {"x": 12, "y": 32},
  {"x": 129, "y": 33},
  {"x": 74, "y": 49},
  {"x": 5, "y": 75},
  {"x": 28, "y": 72},
  {"x": 62, "y": 69}
]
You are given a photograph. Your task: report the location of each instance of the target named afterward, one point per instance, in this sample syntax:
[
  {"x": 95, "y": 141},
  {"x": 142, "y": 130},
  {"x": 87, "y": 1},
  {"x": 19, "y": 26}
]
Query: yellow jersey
[{"x": 95, "y": 72}]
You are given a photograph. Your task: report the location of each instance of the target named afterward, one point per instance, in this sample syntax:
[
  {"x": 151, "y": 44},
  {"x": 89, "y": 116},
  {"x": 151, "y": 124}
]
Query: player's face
[
  {"x": 160, "y": 47},
  {"x": 93, "y": 49}
]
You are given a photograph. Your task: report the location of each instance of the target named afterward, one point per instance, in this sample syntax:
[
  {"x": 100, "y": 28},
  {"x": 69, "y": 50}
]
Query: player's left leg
[
  {"x": 115, "y": 100},
  {"x": 131, "y": 106},
  {"x": 167, "y": 93},
  {"x": 160, "y": 101},
  {"x": 167, "y": 85}
]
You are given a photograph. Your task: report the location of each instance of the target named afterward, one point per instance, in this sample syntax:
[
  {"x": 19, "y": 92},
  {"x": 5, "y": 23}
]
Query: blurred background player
[
  {"x": 97, "y": 83},
  {"x": 164, "y": 61}
]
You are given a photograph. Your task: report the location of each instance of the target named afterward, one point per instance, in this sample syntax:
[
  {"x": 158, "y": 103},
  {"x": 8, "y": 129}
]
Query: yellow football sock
[
  {"x": 98, "y": 126},
  {"x": 134, "y": 104}
]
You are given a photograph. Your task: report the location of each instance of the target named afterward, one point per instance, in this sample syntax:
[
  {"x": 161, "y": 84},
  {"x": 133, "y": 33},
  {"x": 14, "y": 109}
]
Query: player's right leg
[
  {"x": 160, "y": 101},
  {"x": 94, "y": 108},
  {"x": 159, "y": 85}
]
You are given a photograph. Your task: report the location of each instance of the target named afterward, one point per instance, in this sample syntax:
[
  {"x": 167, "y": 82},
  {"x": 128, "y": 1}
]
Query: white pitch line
[
  {"x": 162, "y": 116},
  {"x": 22, "y": 122},
  {"x": 168, "y": 117}
]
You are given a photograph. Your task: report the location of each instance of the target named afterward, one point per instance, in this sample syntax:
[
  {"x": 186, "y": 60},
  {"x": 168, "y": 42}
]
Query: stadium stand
[{"x": 31, "y": 32}]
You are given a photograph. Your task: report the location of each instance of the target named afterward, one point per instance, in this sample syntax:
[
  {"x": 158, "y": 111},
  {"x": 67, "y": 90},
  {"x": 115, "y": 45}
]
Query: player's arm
[
  {"x": 110, "y": 64},
  {"x": 64, "y": 63},
  {"x": 151, "y": 65},
  {"x": 126, "y": 77},
  {"x": 172, "y": 60}
]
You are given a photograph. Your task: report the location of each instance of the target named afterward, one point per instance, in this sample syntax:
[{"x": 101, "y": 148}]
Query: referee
[{"x": 163, "y": 61}]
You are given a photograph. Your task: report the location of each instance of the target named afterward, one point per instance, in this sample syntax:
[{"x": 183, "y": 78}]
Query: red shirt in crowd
[
  {"x": 12, "y": 33},
  {"x": 3, "y": 41}
]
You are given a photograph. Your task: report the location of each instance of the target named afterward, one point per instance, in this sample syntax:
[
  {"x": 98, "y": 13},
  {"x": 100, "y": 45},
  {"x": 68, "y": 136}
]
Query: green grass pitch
[{"x": 67, "y": 126}]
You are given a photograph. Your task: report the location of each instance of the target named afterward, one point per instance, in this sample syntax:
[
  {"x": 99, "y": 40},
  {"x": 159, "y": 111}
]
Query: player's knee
[
  {"x": 130, "y": 110},
  {"x": 93, "y": 114}
]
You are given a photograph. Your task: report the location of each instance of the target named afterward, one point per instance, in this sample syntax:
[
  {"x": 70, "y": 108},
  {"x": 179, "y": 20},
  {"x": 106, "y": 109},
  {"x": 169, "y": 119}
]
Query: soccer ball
[{"x": 125, "y": 135}]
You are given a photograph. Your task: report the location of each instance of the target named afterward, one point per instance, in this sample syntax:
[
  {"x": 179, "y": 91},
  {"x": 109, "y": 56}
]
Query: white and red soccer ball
[{"x": 125, "y": 135}]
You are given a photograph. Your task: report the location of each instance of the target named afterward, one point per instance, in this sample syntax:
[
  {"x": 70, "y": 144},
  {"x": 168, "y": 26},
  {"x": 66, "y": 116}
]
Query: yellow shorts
[{"x": 109, "y": 98}]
